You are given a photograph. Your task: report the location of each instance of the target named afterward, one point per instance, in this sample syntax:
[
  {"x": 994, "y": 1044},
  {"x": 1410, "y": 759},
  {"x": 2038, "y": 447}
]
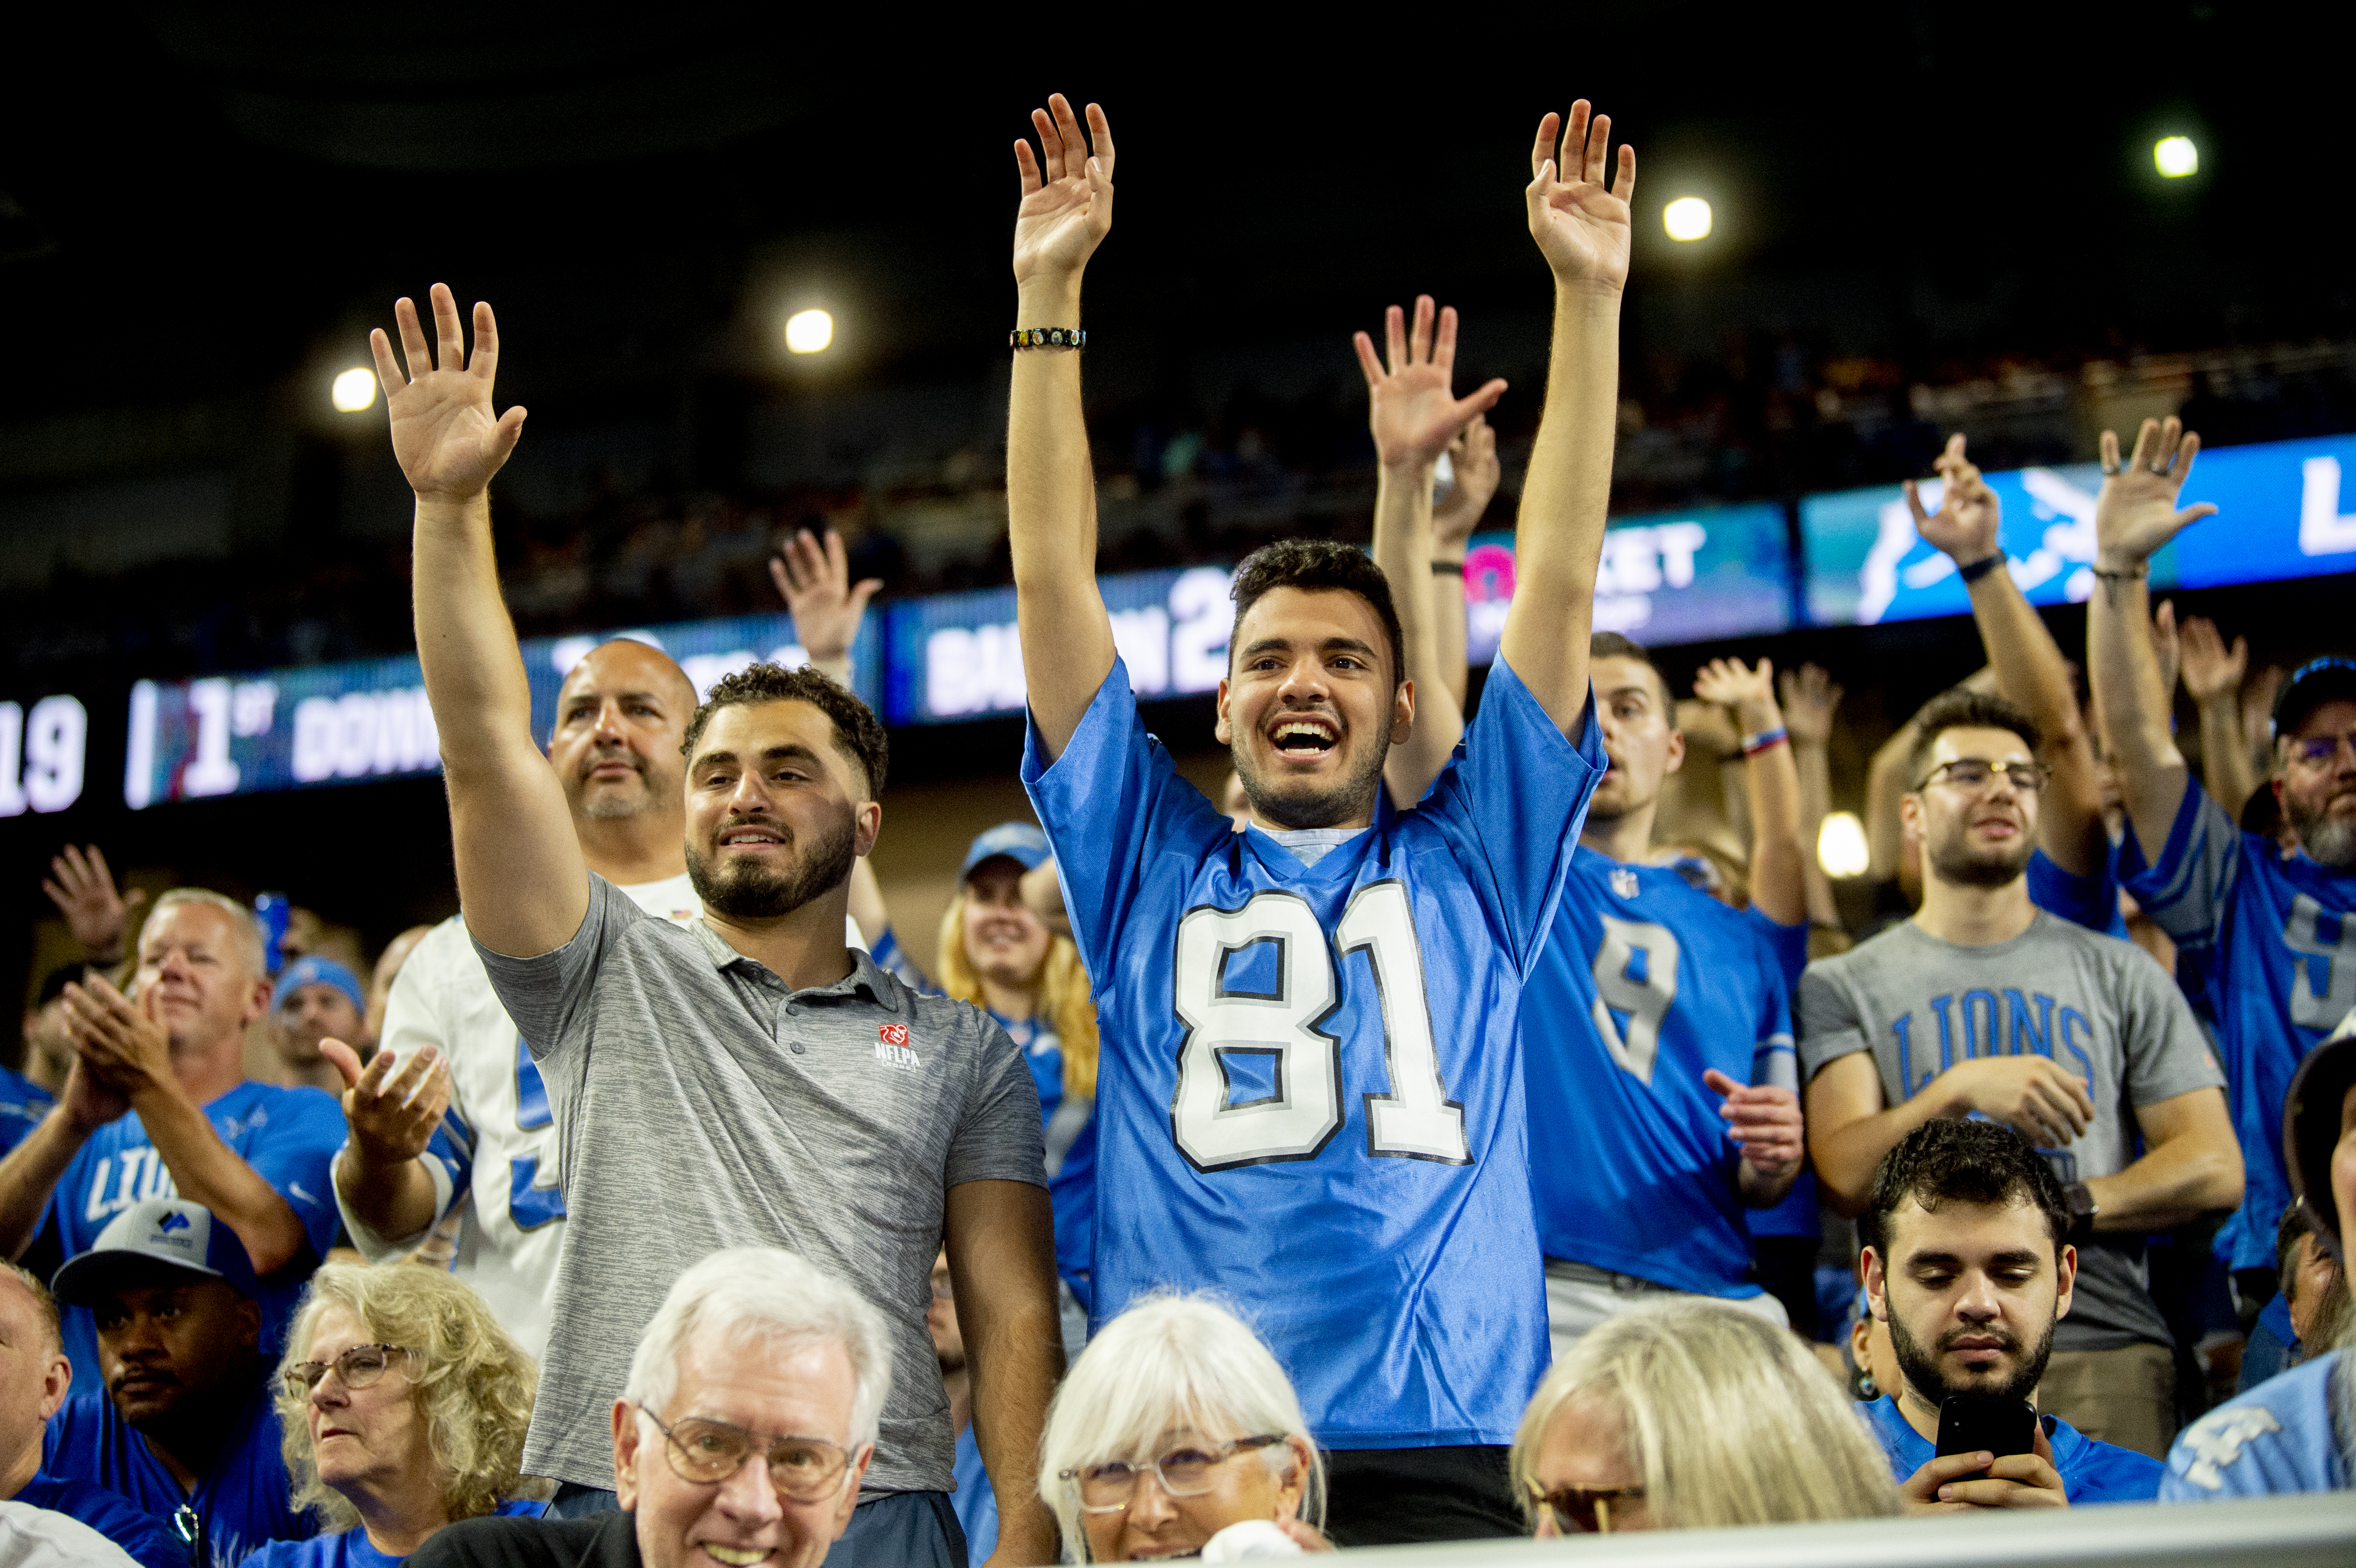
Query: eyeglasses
[
  {"x": 804, "y": 1469},
  {"x": 1583, "y": 1508},
  {"x": 361, "y": 1367},
  {"x": 1972, "y": 775},
  {"x": 1183, "y": 1472},
  {"x": 2316, "y": 750}
]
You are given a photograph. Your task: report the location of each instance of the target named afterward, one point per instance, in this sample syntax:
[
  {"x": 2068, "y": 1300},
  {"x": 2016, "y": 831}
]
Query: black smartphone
[{"x": 1975, "y": 1423}]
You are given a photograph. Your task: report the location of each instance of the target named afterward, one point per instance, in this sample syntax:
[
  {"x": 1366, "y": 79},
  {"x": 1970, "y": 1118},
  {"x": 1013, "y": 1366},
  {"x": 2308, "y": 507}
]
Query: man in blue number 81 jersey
[{"x": 1310, "y": 1094}]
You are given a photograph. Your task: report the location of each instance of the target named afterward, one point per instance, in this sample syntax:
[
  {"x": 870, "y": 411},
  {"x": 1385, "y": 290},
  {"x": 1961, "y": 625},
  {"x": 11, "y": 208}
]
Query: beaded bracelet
[
  {"x": 1048, "y": 337},
  {"x": 1764, "y": 741},
  {"x": 1981, "y": 567}
]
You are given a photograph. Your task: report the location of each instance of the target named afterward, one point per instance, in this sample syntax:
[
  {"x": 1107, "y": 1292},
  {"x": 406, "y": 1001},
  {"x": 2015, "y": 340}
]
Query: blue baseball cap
[
  {"x": 311, "y": 969},
  {"x": 1021, "y": 842},
  {"x": 2309, "y": 688},
  {"x": 169, "y": 1233}
]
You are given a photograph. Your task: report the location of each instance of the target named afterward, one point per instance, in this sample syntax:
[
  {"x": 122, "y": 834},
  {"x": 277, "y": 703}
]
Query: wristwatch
[{"x": 2083, "y": 1209}]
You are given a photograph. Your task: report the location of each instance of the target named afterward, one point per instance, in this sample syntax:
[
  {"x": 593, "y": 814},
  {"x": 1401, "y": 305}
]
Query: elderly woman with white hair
[
  {"x": 749, "y": 1417},
  {"x": 1689, "y": 1414},
  {"x": 1178, "y": 1434},
  {"x": 403, "y": 1403}
]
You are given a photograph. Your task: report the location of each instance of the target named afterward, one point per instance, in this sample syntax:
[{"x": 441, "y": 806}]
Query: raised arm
[
  {"x": 1811, "y": 696},
  {"x": 814, "y": 580},
  {"x": 2029, "y": 670},
  {"x": 1414, "y": 415},
  {"x": 1583, "y": 230},
  {"x": 2134, "y": 514},
  {"x": 521, "y": 881},
  {"x": 1472, "y": 459},
  {"x": 1770, "y": 775},
  {"x": 1051, "y": 487},
  {"x": 2212, "y": 678}
]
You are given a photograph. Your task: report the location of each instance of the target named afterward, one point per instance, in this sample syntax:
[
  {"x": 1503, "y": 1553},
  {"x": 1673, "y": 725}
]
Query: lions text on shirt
[
  {"x": 2098, "y": 1006},
  {"x": 2278, "y": 1437},
  {"x": 498, "y": 1151},
  {"x": 1310, "y": 1098},
  {"x": 289, "y": 1137},
  {"x": 2273, "y": 941},
  {"x": 240, "y": 1503},
  {"x": 1645, "y": 984}
]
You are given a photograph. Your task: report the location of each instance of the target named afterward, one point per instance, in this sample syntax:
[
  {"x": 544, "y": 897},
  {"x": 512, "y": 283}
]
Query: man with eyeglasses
[
  {"x": 1985, "y": 1006},
  {"x": 748, "y": 1421},
  {"x": 184, "y": 1426},
  {"x": 2269, "y": 934}
]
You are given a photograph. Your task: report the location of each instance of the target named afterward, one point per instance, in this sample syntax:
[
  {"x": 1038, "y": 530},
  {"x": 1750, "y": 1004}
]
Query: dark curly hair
[
  {"x": 1314, "y": 564},
  {"x": 1947, "y": 1161},
  {"x": 857, "y": 733},
  {"x": 1963, "y": 708}
]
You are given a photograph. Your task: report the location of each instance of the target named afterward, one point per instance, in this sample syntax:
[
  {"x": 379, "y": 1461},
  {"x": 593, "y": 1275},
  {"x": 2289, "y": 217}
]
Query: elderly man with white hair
[{"x": 750, "y": 1416}]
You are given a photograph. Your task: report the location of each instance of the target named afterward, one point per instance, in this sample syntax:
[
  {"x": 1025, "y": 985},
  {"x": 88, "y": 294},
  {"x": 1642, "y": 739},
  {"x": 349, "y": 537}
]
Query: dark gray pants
[{"x": 898, "y": 1529}]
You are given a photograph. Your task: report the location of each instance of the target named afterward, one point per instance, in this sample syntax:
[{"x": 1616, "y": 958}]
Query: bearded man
[{"x": 1985, "y": 1005}]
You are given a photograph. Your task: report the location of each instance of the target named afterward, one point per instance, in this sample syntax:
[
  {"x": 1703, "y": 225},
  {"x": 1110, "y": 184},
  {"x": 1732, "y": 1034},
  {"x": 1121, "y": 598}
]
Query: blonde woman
[
  {"x": 1690, "y": 1414},
  {"x": 404, "y": 1404},
  {"x": 1175, "y": 1425}
]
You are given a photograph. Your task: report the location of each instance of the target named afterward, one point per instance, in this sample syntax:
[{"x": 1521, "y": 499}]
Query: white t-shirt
[
  {"x": 511, "y": 1222},
  {"x": 36, "y": 1538}
]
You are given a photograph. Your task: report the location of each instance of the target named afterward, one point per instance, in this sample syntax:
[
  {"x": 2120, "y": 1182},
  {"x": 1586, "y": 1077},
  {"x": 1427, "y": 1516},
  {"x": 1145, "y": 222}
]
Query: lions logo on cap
[{"x": 173, "y": 1220}]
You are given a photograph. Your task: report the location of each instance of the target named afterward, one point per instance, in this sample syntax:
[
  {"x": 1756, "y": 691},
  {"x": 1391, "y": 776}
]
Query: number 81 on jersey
[{"x": 1414, "y": 1120}]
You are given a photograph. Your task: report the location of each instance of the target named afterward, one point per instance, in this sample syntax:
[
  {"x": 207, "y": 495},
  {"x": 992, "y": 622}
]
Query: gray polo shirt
[
  {"x": 2097, "y": 1006},
  {"x": 700, "y": 1103}
]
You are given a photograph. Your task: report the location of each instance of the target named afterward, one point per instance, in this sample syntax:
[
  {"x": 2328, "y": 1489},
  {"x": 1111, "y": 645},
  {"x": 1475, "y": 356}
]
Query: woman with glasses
[
  {"x": 1690, "y": 1414},
  {"x": 404, "y": 1404},
  {"x": 1176, "y": 1424}
]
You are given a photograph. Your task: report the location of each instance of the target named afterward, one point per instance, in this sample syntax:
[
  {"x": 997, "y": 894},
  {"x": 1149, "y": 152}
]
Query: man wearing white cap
[{"x": 184, "y": 1426}]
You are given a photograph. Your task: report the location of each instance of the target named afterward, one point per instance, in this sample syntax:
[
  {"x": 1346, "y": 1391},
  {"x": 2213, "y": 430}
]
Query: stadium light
[
  {"x": 2175, "y": 157},
  {"x": 354, "y": 390},
  {"x": 1688, "y": 217},
  {"x": 808, "y": 331},
  {"x": 1840, "y": 846}
]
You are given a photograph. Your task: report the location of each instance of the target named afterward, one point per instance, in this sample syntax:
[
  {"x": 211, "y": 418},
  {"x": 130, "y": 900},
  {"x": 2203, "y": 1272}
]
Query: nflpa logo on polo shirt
[{"x": 892, "y": 1047}]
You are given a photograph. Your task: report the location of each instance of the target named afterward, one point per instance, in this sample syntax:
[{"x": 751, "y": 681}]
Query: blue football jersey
[
  {"x": 1310, "y": 1097},
  {"x": 23, "y": 1104},
  {"x": 288, "y": 1136},
  {"x": 2091, "y": 902},
  {"x": 1800, "y": 1213},
  {"x": 241, "y": 1503},
  {"x": 1647, "y": 984},
  {"x": 2273, "y": 946},
  {"x": 2277, "y": 1438}
]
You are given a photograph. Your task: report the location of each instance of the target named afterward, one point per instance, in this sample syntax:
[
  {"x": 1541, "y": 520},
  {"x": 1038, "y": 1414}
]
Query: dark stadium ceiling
[{"x": 215, "y": 197}]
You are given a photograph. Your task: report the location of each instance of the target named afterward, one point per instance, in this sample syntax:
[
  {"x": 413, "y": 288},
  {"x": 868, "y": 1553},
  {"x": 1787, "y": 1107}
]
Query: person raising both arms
[{"x": 1310, "y": 1097}]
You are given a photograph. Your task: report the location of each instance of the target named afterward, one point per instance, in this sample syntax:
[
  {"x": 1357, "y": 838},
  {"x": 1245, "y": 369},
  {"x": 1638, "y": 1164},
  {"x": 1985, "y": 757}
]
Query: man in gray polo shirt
[
  {"x": 1985, "y": 1005},
  {"x": 748, "y": 1080}
]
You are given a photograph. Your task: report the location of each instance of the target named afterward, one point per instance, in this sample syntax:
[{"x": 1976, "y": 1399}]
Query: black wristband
[
  {"x": 1449, "y": 568},
  {"x": 1980, "y": 568}
]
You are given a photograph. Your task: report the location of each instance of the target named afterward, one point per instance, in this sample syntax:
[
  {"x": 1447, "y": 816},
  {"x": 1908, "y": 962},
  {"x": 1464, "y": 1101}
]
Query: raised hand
[
  {"x": 392, "y": 1114},
  {"x": 2210, "y": 671},
  {"x": 82, "y": 887},
  {"x": 1763, "y": 1121},
  {"x": 1582, "y": 229},
  {"x": 814, "y": 581},
  {"x": 2135, "y": 512},
  {"x": 2166, "y": 647},
  {"x": 1969, "y": 515},
  {"x": 1067, "y": 208},
  {"x": 444, "y": 435},
  {"x": 1472, "y": 459},
  {"x": 1748, "y": 693},
  {"x": 1410, "y": 408},
  {"x": 1810, "y": 696}
]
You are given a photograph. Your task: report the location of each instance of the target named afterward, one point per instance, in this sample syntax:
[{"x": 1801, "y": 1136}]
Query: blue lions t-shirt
[
  {"x": 2272, "y": 945},
  {"x": 2090, "y": 1471},
  {"x": 23, "y": 1104},
  {"x": 352, "y": 1548},
  {"x": 140, "y": 1534},
  {"x": 1645, "y": 985},
  {"x": 288, "y": 1136},
  {"x": 2277, "y": 1438},
  {"x": 241, "y": 1503},
  {"x": 1311, "y": 1098}
]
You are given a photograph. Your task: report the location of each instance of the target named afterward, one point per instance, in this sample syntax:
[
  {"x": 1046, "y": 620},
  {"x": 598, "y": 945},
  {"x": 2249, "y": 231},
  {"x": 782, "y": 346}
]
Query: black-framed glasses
[
  {"x": 361, "y": 1367},
  {"x": 1586, "y": 1510},
  {"x": 804, "y": 1469},
  {"x": 1973, "y": 774},
  {"x": 1185, "y": 1472}
]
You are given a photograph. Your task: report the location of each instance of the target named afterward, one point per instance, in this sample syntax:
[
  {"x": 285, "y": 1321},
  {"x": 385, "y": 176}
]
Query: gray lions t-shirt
[
  {"x": 701, "y": 1103},
  {"x": 2098, "y": 1006}
]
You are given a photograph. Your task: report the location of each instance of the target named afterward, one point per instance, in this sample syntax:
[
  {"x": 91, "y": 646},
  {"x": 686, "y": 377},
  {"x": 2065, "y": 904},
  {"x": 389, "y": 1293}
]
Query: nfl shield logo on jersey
[{"x": 1623, "y": 881}]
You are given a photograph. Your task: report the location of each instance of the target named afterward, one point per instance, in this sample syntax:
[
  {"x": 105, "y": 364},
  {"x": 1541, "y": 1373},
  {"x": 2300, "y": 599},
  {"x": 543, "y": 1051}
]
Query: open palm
[
  {"x": 1410, "y": 407},
  {"x": 2135, "y": 513},
  {"x": 1067, "y": 208},
  {"x": 444, "y": 435},
  {"x": 1969, "y": 516},
  {"x": 1582, "y": 229}
]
